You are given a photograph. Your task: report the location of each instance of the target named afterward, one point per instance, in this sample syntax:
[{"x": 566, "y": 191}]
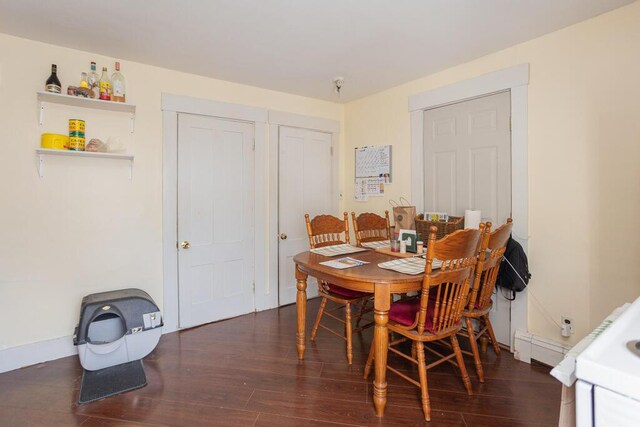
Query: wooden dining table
[{"x": 366, "y": 278}]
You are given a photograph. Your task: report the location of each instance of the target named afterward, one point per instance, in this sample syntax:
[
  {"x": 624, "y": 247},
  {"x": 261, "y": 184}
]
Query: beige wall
[
  {"x": 85, "y": 227},
  {"x": 584, "y": 163}
]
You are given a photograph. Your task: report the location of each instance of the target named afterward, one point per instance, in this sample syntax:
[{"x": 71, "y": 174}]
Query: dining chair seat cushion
[
  {"x": 344, "y": 292},
  {"x": 404, "y": 312}
]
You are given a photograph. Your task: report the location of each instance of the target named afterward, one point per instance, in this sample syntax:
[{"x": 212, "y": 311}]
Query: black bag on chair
[{"x": 514, "y": 269}]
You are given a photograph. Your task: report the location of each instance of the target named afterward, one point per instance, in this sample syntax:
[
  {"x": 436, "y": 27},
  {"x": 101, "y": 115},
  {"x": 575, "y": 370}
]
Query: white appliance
[{"x": 608, "y": 373}]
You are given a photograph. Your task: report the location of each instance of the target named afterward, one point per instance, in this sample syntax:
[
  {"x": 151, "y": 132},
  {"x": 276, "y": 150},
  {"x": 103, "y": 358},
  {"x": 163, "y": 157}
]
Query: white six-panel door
[
  {"x": 304, "y": 186},
  {"x": 467, "y": 165},
  {"x": 215, "y": 219}
]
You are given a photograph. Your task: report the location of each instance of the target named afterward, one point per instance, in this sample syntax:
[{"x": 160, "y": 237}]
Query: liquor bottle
[
  {"x": 53, "y": 84},
  {"x": 118, "y": 85},
  {"x": 105, "y": 86},
  {"x": 94, "y": 82}
]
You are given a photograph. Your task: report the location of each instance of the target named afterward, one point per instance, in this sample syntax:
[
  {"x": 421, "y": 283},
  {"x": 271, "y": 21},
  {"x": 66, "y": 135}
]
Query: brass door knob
[
  {"x": 283, "y": 236},
  {"x": 185, "y": 244}
]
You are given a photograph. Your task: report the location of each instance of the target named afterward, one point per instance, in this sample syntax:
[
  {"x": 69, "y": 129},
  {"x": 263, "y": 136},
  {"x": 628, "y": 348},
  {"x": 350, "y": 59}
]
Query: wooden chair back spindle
[
  {"x": 326, "y": 230},
  {"x": 457, "y": 251},
  {"x": 370, "y": 227},
  {"x": 490, "y": 255}
]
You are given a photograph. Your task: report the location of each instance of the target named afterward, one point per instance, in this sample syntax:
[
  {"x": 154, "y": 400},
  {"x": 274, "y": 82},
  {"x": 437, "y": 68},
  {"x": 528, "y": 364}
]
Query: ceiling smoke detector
[{"x": 338, "y": 82}]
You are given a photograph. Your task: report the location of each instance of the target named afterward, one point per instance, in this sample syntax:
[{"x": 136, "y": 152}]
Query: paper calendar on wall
[
  {"x": 374, "y": 162},
  {"x": 372, "y": 170}
]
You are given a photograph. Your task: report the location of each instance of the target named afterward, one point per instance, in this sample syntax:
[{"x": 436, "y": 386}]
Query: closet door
[
  {"x": 304, "y": 186},
  {"x": 215, "y": 219},
  {"x": 467, "y": 165}
]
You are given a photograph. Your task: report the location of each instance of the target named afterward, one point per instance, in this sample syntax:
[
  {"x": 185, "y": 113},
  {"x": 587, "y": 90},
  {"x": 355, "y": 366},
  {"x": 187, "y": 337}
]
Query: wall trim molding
[
  {"x": 38, "y": 352},
  {"x": 485, "y": 84},
  {"x": 516, "y": 80},
  {"x": 305, "y": 122},
  {"x": 207, "y": 107},
  {"x": 172, "y": 105},
  {"x": 530, "y": 347}
]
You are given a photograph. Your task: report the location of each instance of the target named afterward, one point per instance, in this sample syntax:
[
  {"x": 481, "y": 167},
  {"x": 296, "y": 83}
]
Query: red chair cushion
[
  {"x": 339, "y": 290},
  {"x": 404, "y": 312}
]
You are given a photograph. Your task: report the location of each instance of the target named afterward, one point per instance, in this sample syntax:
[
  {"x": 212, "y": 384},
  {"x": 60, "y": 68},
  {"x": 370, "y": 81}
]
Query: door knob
[
  {"x": 283, "y": 236},
  {"x": 185, "y": 244}
]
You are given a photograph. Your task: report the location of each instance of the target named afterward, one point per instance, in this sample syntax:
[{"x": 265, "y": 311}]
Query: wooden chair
[
  {"x": 369, "y": 227},
  {"x": 492, "y": 248},
  {"x": 436, "y": 314},
  {"x": 326, "y": 230}
]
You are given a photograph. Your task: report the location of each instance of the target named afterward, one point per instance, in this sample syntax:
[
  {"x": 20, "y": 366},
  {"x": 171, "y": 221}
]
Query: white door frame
[
  {"x": 171, "y": 106},
  {"x": 516, "y": 80},
  {"x": 277, "y": 119}
]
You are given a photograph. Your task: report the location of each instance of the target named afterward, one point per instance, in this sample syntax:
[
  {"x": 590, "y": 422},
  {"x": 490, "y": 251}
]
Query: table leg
[
  {"x": 381, "y": 343},
  {"x": 301, "y": 305}
]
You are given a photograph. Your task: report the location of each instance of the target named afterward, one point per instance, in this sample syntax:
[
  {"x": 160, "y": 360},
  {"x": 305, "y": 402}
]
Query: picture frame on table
[{"x": 411, "y": 239}]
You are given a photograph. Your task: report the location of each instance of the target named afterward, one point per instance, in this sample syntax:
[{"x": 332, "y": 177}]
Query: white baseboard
[
  {"x": 44, "y": 351},
  {"x": 38, "y": 352},
  {"x": 532, "y": 347}
]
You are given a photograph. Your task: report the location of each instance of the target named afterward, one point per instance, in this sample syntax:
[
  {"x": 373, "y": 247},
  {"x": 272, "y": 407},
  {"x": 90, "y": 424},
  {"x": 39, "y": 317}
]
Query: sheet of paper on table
[{"x": 342, "y": 263}]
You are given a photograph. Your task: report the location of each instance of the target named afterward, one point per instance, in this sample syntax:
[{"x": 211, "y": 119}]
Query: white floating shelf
[
  {"x": 42, "y": 152},
  {"x": 78, "y": 101}
]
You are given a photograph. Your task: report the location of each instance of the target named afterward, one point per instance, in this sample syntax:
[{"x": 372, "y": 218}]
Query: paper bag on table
[{"x": 404, "y": 215}]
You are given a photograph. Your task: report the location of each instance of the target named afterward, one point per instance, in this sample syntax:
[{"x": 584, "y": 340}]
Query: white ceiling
[{"x": 296, "y": 46}]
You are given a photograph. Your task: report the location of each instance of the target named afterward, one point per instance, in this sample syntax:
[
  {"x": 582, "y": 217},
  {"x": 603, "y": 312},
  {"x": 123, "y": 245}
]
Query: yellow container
[
  {"x": 55, "y": 141},
  {"x": 76, "y": 144},
  {"x": 76, "y": 125}
]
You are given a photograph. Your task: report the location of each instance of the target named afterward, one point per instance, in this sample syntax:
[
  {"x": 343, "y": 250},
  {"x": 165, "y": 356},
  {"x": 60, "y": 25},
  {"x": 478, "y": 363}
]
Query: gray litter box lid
[{"x": 128, "y": 304}]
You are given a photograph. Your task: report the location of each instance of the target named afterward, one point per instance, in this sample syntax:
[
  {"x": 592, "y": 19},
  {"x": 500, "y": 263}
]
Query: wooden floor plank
[
  {"x": 245, "y": 372},
  {"x": 157, "y": 411},
  {"x": 270, "y": 420}
]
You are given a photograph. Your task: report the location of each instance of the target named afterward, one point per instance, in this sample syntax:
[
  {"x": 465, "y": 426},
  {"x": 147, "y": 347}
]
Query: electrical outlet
[{"x": 566, "y": 326}]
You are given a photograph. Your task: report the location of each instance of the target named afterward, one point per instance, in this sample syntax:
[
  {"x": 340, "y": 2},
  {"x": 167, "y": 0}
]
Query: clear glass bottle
[
  {"x": 53, "y": 83},
  {"x": 84, "y": 83},
  {"x": 118, "y": 85},
  {"x": 105, "y": 86},
  {"x": 94, "y": 82}
]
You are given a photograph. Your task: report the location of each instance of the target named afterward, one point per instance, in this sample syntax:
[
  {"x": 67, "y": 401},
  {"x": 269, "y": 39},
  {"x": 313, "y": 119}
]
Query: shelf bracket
[
  {"x": 133, "y": 122},
  {"x": 130, "y": 169},
  {"x": 41, "y": 165},
  {"x": 41, "y": 112}
]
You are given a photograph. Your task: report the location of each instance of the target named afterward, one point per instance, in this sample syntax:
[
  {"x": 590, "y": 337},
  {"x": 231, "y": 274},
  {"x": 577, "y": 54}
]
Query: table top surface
[{"x": 370, "y": 273}]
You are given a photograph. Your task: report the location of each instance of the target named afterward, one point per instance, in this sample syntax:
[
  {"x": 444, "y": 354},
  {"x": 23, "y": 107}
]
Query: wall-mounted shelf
[
  {"x": 76, "y": 101},
  {"x": 42, "y": 152}
]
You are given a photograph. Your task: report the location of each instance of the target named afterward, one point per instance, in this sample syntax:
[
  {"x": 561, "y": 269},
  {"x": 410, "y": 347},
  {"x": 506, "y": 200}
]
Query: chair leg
[
  {"x": 348, "y": 330},
  {"x": 362, "y": 308},
  {"x": 369, "y": 364},
  {"x": 460, "y": 360},
  {"x": 422, "y": 372},
  {"x": 484, "y": 343},
  {"x": 487, "y": 322},
  {"x": 323, "y": 304},
  {"x": 474, "y": 349}
]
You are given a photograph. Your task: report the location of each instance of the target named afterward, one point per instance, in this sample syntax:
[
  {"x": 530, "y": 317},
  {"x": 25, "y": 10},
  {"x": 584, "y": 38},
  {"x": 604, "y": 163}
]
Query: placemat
[
  {"x": 376, "y": 245},
  {"x": 334, "y": 250},
  {"x": 413, "y": 266}
]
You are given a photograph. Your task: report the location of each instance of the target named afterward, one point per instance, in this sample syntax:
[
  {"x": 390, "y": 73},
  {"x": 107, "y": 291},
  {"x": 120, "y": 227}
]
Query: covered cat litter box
[{"x": 116, "y": 327}]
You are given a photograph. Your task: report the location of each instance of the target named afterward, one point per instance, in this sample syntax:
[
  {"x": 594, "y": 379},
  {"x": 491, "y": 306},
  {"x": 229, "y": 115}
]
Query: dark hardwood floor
[{"x": 245, "y": 372}]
